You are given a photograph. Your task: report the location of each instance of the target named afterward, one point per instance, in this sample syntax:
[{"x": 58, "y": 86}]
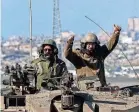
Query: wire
[{"x": 122, "y": 46}]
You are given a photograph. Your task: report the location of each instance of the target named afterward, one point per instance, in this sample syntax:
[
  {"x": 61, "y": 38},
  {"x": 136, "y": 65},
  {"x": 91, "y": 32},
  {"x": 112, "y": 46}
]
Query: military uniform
[
  {"x": 47, "y": 69},
  {"x": 91, "y": 66}
]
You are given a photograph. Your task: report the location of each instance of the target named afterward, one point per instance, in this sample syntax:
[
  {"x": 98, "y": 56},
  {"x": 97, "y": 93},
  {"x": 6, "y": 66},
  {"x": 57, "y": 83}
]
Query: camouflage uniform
[
  {"x": 91, "y": 66},
  {"x": 47, "y": 69}
]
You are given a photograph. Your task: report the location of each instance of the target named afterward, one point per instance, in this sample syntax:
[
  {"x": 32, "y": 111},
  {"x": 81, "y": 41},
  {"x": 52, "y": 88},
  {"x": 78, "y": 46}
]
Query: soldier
[
  {"x": 18, "y": 71},
  {"x": 48, "y": 66},
  {"x": 89, "y": 60},
  {"x": 7, "y": 70}
]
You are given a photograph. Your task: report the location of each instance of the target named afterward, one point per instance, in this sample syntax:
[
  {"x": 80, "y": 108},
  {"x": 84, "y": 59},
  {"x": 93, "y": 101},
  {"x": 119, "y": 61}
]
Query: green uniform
[
  {"x": 48, "y": 68},
  {"x": 45, "y": 70}
]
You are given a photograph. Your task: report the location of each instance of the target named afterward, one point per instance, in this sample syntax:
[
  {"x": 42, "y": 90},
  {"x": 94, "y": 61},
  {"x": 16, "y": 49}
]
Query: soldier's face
[
  {"x": 90, "y": 46},
  {"x": 47, "y": 50}
]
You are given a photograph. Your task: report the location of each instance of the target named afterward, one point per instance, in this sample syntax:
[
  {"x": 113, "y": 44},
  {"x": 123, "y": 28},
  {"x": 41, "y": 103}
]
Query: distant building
[
  {"x": 133, "y": 24},
  {"x": 35, "y": 54},
  {"x": 25, "y": 47}
]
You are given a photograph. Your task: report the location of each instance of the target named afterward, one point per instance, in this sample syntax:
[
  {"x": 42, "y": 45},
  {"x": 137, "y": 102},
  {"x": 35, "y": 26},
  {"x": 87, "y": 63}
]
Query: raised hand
[
  {"x": 71, "y": 39},
  {"x": 117, "y": 29}
]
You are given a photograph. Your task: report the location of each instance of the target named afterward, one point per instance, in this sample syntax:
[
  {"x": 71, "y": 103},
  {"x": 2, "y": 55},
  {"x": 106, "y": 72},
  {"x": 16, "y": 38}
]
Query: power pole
[
  {"x": 56, "y": 20},
  {"x": 30, "y": 26}
]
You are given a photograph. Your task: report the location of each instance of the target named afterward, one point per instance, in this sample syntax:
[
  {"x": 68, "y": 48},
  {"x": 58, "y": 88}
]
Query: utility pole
[{"x": 30, "y": 26}]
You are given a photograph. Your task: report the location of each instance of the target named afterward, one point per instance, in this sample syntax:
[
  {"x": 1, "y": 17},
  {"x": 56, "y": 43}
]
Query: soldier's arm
[
  {"x": 111, "y": 44},
  {"x": 69, "y": 53},
  {"x": 64, "y": 69}
]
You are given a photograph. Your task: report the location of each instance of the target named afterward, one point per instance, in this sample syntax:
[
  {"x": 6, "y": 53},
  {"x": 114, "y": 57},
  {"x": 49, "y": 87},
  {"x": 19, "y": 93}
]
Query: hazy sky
[{"x": 15, "y": 15}]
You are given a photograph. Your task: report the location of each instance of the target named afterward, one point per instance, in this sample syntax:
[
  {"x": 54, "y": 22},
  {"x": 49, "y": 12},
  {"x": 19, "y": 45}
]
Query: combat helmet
[
  {"x": 52, "y": 43},
  {"x": 91, "y": 37}
]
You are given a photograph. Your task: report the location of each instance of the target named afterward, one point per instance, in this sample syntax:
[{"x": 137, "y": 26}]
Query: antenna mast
[
  {"x": 56, "y": 20},
  {"x": 30, "y": 21},
  {"x": 57, "y": 26}
]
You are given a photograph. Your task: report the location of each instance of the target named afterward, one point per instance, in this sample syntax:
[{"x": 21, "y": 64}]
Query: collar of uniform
[{"x": 45, "y": 59}]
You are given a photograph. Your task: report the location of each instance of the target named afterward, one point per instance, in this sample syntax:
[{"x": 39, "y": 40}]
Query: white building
[{"x": 133, "y": 24}]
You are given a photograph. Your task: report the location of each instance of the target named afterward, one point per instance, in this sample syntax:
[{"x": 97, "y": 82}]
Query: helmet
[
  {"x": 91, "y": 37},
  {"x": 50, "y": 42}
]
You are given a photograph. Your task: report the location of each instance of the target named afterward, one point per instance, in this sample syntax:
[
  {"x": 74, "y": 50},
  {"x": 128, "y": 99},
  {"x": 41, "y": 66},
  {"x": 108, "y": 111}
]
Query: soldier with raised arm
[{"x": 89, "y": 60}]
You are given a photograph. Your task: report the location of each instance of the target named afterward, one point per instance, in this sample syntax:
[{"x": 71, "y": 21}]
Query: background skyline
[{"x": 15, "y": 16}]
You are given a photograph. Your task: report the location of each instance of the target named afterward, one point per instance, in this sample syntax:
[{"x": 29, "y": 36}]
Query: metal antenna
[
  {"x": 57, "y": 25},
  {"x": 56, "y": 19},
  {"x": 30, "y": 21},
  {"x": 121, "y": 50}
]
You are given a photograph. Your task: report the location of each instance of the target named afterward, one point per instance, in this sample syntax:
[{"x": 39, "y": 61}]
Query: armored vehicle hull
[{"x": 50, "y": 102}]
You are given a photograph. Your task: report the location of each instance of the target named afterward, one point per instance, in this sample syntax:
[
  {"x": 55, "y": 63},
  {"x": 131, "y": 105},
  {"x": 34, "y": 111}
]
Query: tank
[
  {"x": 64, "y": 99},
  {"x": 68, "y": 98}
]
